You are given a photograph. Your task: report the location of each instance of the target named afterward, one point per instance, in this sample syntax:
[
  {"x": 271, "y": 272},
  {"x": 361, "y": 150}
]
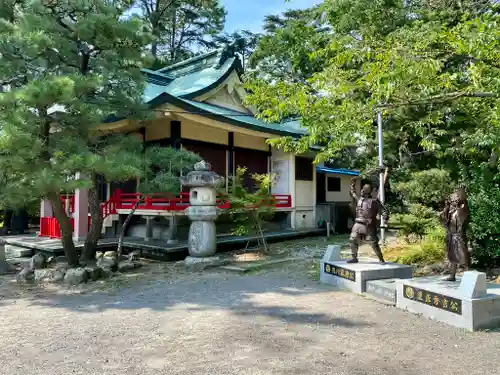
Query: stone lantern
[{"x": 203, "y": 212}]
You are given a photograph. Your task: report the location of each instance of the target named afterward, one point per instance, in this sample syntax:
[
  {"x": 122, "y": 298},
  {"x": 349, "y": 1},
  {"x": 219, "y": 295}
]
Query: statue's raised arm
[{"x": 352, "y": 190}]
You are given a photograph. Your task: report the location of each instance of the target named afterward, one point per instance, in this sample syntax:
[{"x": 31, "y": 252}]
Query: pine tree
[
  {"x": 162, "y": 168},
  {"x": 245, "y": 42},
  {"x": 179, "y": 26},
  {"x": 64, "y": 67}
]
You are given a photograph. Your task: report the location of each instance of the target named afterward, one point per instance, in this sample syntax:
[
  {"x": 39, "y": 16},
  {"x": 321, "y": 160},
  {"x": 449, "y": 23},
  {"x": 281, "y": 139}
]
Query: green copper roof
[
  {"x": 291, "y": 128},
  {"x": 198, "y": 81},
  {"x": 194, "y": 76},
  {"x": 178, "y": 84}
]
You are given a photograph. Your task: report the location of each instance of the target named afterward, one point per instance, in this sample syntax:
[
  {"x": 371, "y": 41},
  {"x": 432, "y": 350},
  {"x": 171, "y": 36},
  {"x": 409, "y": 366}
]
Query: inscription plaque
[
  {"x": 340, "y": 272},
  {"x": 436, "y": 300}
]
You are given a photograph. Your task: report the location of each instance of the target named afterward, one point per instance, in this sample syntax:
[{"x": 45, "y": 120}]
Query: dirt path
[{"x": 216, "y": 323}]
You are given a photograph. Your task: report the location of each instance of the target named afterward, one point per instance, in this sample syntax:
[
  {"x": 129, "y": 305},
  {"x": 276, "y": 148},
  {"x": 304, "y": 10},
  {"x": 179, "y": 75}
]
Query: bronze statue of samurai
[
  {"x": 366, "y": 223},
  {"x": 455, "y": 219}
]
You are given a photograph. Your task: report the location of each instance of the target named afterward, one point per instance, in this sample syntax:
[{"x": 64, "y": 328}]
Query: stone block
[
  {"x": 199, "y": 264},
  {"x": 13, "y": 251},
  {"x": 75, "y": 276},
  {"x": 451, "y": 302},
  {"x": 202, "y": 240},
  {"x": 38, "y": 261},
  {"x": 384, "y": 290},
  {"x": 27, "y": 275},
  {"x": 126, "y": 266},
  {"x": 473, "y": 284},
  {"x": 93, "y": 272},
  {"x": 47, "y": 275},
  {"x": 3, "y": 258},
  {"x": 354, "y": 276},
  {"x": 332, "y": 253}
]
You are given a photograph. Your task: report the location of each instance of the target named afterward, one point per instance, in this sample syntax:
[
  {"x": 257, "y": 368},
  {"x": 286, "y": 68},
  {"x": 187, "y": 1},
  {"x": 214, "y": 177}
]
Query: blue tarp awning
[{"x": 347, "y": 172}]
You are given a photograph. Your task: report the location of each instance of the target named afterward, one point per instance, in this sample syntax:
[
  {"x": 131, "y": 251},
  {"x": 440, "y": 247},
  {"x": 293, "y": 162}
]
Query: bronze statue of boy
[
  {"x": 455, "y": 219},
  {"x": 366, "y": 223}
]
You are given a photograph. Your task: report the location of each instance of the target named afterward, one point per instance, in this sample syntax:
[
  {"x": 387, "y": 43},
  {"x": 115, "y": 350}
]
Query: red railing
[
  {"x": 157, "y": 202},
  {"x": 49, "y": 227}
]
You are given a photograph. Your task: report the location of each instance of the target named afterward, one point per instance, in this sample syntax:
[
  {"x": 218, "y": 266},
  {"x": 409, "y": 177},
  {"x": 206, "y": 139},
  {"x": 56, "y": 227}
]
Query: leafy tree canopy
[{"x": 429, "y": 67}]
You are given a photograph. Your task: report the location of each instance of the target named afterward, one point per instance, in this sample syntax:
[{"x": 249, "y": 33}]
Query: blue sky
[{"x": 249, "y": 14}]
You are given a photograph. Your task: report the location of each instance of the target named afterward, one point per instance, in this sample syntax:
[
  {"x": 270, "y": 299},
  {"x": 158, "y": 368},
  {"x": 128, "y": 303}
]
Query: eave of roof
[
  {"x": 342, "y": 171},
  {"x": 231, "y": 117}
]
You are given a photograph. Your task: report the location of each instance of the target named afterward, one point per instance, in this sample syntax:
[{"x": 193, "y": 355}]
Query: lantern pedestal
[{"x": 202, "y": 240}]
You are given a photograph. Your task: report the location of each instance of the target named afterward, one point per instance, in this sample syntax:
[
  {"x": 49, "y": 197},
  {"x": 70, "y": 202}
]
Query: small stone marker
[
  {"x": 332, "y": 253},
  {"x": 473, "y": 284}
]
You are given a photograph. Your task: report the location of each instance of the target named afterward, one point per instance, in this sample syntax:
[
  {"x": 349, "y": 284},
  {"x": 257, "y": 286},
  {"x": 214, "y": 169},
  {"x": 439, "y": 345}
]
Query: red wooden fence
[{"x": 49, "y": 227}]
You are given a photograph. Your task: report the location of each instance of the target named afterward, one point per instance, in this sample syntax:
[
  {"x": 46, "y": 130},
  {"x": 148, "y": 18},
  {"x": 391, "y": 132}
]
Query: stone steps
[
  {"x": 13, "y": 251},
  {"x": 382, "y": 290}
]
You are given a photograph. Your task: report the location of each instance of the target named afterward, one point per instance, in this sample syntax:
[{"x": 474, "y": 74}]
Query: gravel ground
[{"x": 218, "y": 323}]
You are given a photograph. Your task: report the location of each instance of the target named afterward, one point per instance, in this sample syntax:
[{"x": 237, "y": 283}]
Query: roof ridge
[
  {"x": 188, "y": 61},
  {"x": 221, "y": 107},
  {"x": 157, "y": 78}
]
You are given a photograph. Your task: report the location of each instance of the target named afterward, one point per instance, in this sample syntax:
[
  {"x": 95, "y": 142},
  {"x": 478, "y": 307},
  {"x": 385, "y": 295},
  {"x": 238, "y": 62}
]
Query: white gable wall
[{"x": 229, "y": 95}]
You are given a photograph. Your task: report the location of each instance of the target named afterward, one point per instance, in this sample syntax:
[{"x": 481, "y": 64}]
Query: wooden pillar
[
  {"x": 46, "y": 208},
  {"x": 230, "y": 158},
  {"x": 149, "y": 228},
  {"x": 175, "y": 134}
]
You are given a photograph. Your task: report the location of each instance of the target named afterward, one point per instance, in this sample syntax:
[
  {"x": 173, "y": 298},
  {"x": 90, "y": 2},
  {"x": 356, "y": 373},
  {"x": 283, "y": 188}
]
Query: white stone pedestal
[
  {"x": 468, "y": 303},
  {"x": 354, "y": 276}
]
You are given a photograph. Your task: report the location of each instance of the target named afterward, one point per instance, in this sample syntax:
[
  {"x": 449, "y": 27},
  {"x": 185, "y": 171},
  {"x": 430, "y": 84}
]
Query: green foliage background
[{"x": 429, "y": 67}]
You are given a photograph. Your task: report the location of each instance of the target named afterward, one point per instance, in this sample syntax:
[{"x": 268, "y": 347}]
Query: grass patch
[
  {"x": 424, "y": 253},
  {"x": 313, "y": 271}
]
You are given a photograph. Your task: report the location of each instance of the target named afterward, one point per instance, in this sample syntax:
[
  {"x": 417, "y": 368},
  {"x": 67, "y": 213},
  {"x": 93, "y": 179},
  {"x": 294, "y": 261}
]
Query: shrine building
[{"x": 198, "y": 106}]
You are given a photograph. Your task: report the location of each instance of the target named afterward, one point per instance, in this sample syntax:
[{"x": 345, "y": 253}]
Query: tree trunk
[
  {"x": 95, "y": 230},
  {"x": 123, "y": 229},
  {"x": 154, "y": 49},
  {"x": 66, "y": 229}
]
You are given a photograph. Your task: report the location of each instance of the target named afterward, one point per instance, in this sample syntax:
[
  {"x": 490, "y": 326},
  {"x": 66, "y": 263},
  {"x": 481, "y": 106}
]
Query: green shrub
[
  {"x": 429, "y": 187},
  {"x": 428, "y": 252},
  {"x": 416, "y": 223}
]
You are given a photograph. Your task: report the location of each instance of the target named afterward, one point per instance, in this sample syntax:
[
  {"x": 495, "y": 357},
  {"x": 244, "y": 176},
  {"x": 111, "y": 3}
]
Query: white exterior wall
[
  {"x": 305, "y": 206},
  {"x": 345, "y": 185}
]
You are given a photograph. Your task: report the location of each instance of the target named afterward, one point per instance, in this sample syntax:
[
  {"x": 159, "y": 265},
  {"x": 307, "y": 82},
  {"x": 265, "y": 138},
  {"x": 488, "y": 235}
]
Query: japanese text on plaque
[
  {"x": 340, "y": 272},
  {"x": 436, "y": 300}
]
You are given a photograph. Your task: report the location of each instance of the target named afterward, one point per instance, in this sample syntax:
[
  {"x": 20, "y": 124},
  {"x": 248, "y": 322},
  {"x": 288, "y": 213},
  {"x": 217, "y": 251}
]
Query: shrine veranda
[{"x": 469, "y": 303}]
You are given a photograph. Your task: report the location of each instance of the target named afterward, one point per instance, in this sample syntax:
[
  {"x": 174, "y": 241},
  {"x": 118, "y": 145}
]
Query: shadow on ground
[{"x": 203, "y": 293}]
